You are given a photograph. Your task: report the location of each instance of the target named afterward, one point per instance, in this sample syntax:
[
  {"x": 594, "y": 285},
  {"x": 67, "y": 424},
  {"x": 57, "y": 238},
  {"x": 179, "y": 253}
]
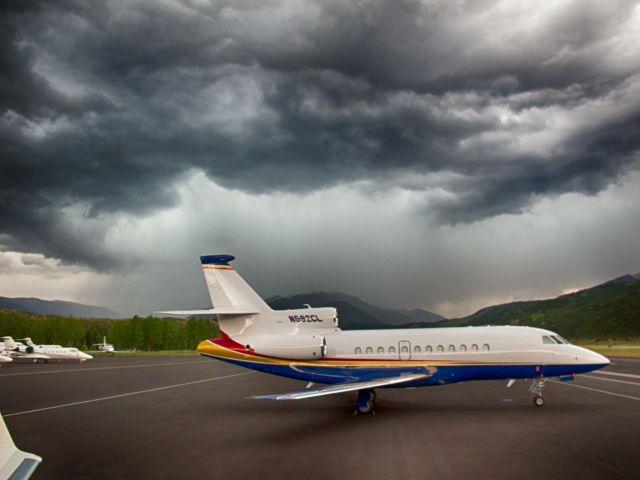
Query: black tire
[
  {"x": 538, "y": 401},
  {"x": 365, "y": 409}
]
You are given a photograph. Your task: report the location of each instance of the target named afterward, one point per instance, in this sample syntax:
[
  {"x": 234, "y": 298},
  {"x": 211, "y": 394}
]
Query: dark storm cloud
[{"x": 106, "y": 107}]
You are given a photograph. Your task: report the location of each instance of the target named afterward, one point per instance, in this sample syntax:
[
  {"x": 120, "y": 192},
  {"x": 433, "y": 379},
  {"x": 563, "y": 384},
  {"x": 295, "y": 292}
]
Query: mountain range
[
  {"x": 57, "y": 307},
  {"x": 608, "y": 310},
  {"x": 355, "y": 314}
]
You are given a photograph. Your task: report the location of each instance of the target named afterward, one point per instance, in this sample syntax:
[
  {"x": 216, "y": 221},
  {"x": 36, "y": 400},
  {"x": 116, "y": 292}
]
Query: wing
[
  {"x": 14, "y": 463},
  {"x": 31, "y": 356},
  {"x": 344, "y": 387}
]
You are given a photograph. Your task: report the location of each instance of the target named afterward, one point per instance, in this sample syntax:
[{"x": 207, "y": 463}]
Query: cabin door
[{"x": 404, "y": 349}]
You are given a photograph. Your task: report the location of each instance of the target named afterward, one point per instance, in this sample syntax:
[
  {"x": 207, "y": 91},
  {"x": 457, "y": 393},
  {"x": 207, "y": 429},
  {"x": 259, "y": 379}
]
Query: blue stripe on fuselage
[{"x": 443, "y": 373}]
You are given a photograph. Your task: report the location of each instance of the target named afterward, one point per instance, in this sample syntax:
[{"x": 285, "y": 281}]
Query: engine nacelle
[{"x": 294, "y": 347}]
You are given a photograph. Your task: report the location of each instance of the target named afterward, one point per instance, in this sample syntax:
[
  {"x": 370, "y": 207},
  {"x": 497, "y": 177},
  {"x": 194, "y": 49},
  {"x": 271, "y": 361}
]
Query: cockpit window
[
  {"x": 559, "y": 339},
  {"x": 547, "y": 340}
]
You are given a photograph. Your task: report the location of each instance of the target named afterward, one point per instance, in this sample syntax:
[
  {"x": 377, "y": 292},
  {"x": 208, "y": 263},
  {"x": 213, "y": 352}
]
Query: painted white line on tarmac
[
  {"x": 600, "y": 391},
  {"x": 70, "y": 370},
  {"x": 139, "y": 392},
  {"x": 611, "y": 380},
  {"x": 617, "y": 374}
]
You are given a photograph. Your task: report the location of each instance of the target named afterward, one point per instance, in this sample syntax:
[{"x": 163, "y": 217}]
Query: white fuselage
[
  {"x": 56, "y": 352},
  {"x": 494, "y": 344}
]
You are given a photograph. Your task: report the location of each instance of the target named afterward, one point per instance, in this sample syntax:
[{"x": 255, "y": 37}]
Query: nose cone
[
  {"x": 86, "y": 356},
  {"x": 601, "y": 359},
  {"x": 593, "y": 359}
]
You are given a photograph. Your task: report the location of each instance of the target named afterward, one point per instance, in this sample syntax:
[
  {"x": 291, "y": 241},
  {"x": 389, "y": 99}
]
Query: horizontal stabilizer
[
  {"x": 233, "y": 310},
  {"x": 14, "y": 464},
  {"x": 344, "y": 387}
]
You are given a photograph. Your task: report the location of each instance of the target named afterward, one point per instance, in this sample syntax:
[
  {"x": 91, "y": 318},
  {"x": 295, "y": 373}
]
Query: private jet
[
  {"x": 56, "y": 352},
  {"x": 5, "y": 357},
  {"x": 308, "y": 345},
  {"x": 105, "y": 347},
  {"x": 19, "y": 352}
]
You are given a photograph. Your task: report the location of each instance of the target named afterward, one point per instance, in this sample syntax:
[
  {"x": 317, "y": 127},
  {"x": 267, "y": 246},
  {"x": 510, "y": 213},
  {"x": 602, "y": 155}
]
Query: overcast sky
[{"x": 446, "y": 155}]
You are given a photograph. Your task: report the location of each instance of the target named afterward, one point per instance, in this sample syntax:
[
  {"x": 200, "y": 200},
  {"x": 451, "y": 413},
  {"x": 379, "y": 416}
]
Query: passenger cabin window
[
  {"x": 380, "y": 349},
  {"x": 485, "y": 347},
  {"x": 474, "y": 348},
  {"x": 428, "y": 349},
  {"x": 463, "y": 348},
  {"x": 404, "y": 349},
  {"x": 547, "y": 340},
  {"x": 452, "y": 348},
  {"x": 440, "y": 348},
  {"x": 369, "y": 350},
  {"x": 392, "y": 349},
  {"x": 358, "y": 350},
  {"x": 417, "y": 349}
]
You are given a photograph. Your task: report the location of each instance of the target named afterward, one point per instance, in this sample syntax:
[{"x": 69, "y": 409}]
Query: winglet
[{"x": 14, "y": 464}]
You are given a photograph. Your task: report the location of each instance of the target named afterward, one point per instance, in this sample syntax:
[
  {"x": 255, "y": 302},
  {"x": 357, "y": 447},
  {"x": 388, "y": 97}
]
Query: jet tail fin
[
  {"x": 227, "y": 289},
  {"x": 14, "y": 463}
]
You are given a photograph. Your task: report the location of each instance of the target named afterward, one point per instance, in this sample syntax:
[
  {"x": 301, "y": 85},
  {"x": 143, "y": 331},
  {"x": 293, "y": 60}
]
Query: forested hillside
[
  {"x": 610, "y": 310},
  {"x": 141, "y": 333}
]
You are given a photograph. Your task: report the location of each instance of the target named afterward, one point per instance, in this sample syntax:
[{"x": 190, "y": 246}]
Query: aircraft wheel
[
  {"x": 538, "y": 401},
  {"x": 364, "y": 404},
  {"x": 366, "y": 408}
]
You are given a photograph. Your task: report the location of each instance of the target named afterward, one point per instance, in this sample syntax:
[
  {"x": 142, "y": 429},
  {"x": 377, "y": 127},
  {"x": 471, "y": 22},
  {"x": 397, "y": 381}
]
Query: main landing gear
[
  {"x": 536, "y": 388},
  {"x": 364, "y": 403}
]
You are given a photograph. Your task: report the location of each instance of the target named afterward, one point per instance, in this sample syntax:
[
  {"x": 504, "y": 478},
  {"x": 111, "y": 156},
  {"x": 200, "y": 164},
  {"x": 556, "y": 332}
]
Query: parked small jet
[
  {"x": 19, "y": 351},
  {"x": 307, "y": 344},
  {"x": 104, "y": 346},
  {"x": 56, "y": 352}
]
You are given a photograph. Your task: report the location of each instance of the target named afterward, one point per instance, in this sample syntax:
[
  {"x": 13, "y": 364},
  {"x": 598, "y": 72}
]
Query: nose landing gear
[
  {"x": 364, "y": 403},
  {"x": 536, "y": 388}
]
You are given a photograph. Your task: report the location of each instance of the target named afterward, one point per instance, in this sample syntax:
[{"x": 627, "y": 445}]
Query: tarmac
[{"x": 188, "y": 417}]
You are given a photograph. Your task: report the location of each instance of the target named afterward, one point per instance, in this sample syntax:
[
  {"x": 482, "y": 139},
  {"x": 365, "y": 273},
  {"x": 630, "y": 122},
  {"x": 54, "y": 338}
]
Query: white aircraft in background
[
  {"x": 19, "y": 351},
  {"x": 56, "y": 352},
  {"x": 5, "y": 357},
  {"x": 307, "y": 344},
  {"x": 104, "y": 346}
]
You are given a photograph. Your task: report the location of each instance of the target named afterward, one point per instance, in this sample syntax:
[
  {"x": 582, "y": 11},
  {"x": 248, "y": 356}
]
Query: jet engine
[{"x": 295, "y": 347}]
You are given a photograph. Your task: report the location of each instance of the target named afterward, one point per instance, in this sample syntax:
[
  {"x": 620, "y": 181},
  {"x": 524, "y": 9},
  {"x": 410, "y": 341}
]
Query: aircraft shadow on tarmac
[
  {"x": 301, "y": 419},
  {"x": 306, "y": 423}
]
